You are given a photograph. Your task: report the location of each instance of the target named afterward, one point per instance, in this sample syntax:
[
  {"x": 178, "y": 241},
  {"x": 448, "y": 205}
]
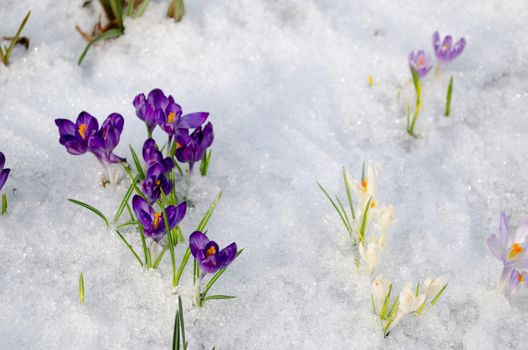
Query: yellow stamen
[
  {"x": 373, "y": 204},
  {"x": 157, "y": 219},
  {"x": 178, "y": 145},
  {"x": 370, "y": 80},
  {"x": 515, "y": 250},
  {"x": 210, "y": 251},
  {"x": 171, "y": 117},
  {"x": 82, "y": 131},
  {"x": 158, "y": 182}
]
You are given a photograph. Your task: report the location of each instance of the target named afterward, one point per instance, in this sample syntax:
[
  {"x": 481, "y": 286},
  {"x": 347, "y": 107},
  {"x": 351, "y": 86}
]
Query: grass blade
[
  {"x": 176, "y": 333},
  {"x": 117, "y": 9},
  {"x": 92, "y": 209},
  {"x": 15, "y": 38},
  {"x": 4, "y": 204},
  {"x": 182, "y": 324},
  {"x": 219, "y": 297},
  {"x": 364, "y": 222},
  {"x": 142, "y": 7},
  {"x": 349, "y": 195},
  {"x": 112, "y": 33}
]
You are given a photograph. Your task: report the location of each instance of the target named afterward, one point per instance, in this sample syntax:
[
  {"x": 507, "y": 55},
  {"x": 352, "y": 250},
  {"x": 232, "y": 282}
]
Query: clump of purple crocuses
[
  {"x": 4, "y": 174},
  {"x": 209, "y": 260},
  {"x": 509, "y": 246},
  {"x": 85, "y": 136},
  {"x": 420, "y": 64},
  {"x": 189, "y": 146}
]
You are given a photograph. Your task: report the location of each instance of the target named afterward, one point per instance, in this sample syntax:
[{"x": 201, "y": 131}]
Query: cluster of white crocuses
[
  {"x": 409, "y": 301},
  {"x": 371, "y": 219},
  {"x": 367, "y": 224},
  {"x": 367, "y": 221},
  {"x": 509, "y": 247}
]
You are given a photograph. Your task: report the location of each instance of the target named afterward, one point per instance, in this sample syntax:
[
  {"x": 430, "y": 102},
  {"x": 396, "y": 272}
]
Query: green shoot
[
  {"x": 4, "y": 204},
  {"x": 364, "y": 222},
  {"x": 179, "y": 329},
  {"x": 204, "y": 165},
  {"x": 417, "y": 87},
  {"x": 438, "y": 295},
  {"x": 112, "y": 33},
  {"x": 6, "y": 55},
  {"x": 342, "y": 215},
  {"x": 139, "y": 168},
  {"x": 129, "y": 247},
  {"x": 176, "y": 10},
  {"x": 81, "y": 288},
  {"x": 212, "y": 281},
  {"x": 448, "y": 98}
]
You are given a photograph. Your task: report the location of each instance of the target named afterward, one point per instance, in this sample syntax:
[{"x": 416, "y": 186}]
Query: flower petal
[
  {"x": 197, "y": 242},
  {"x": 3, "y": 177},
  {"x": 227, "y": 255},
  {"x": 193, "y": 120}
]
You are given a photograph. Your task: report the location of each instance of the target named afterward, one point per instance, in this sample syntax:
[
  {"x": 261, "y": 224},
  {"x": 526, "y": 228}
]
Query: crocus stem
[
  {"x": 176, "y": 10},
  {"x": 448, "y": 98},
  {"x": 149, "y": 132},
  {"x": 4, "y": 204},
  {"x": 190, "y": 168},
  {"x": 197, "y": 299},
  {"x": 169, "y": 146},
  {"x": 417, "y": 87}
]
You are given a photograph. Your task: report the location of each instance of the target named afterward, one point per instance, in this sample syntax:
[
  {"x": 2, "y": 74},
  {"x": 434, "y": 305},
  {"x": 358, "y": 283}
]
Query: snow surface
[{"x": 286, "y": 84}]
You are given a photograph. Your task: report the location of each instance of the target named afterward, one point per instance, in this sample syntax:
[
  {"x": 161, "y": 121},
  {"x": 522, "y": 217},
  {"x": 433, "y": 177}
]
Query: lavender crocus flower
[
  {"x": 146, "y": 107},
  {"x": 420, "y": 62},
  {"x": 153, "y": 156},
  {"x": 445, "y": 51},
  {"x": 510, "y": 246},
  {"x": 171, "y": 120},
  {"x": 4, "y": 172},
  {"x": 155, "y": 182},
  {"x": 152, "y": 221},
  {"x": 512, "y": 281},
  {"x": 192, "y": 147},
  {"x": 210, "y": 259}
]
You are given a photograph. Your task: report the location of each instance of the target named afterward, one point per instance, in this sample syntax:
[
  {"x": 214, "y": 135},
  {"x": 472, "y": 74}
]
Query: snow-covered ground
[{"x": 285, "y": 82}]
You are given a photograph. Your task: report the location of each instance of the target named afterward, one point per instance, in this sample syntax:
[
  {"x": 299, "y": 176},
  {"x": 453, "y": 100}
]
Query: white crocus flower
[
  {"x": 371, "y": 254},
  {"x": 409, "y": 302},
  {"x": 380, "y": 288},
  {"x": 385, "y": 217},
  {"x": 432, "y": 287}
]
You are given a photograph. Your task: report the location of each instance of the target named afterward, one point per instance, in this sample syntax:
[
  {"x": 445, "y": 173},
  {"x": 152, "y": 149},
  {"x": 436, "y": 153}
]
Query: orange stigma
[
  {"x": 158, "y": 182},
  {"x": 515, "y": 250},
  {"x": 178, "y": 145},
  {"x": 421, "y": 61},
  {"x": 82, "y": 131},
  {"x": 157, "y": 218},
  {"x": 520, "y": 278},
  {"x": 210, "y": 251},
  {"x": 171, "y": 117},
  {"x": 364, "y": 185}
]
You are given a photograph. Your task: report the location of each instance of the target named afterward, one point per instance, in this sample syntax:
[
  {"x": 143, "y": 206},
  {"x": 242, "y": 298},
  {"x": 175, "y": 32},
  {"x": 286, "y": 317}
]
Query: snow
[{"x": 286, "y": 85}]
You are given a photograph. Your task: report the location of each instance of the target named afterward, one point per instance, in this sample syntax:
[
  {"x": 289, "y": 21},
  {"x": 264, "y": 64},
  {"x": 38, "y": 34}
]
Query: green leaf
[
  {"x": 417, "y": 289},
  {"x": 146, "y": 250},
  {"x": 349, "y": 226},
  {"x": 158, "y": 259},
  {"x": 176, "y": 333},
  {"x": 131, "y": 4},
  {"x": 200, "y": 228},
  {"x": 182, "y": 324},
  {"x": 129, "y": 246},
  {"x": 349, "y": 229},
  {"x": 364, "y": 222},
  {"x": 92, "y": 209},
  {"x": 139, "y": 168},
  {"x": 142, "y": 7},
  {"x": 117, "y": 9},
  {"x": 448, "y": 97},
  {"x": 386, "y": 302},
  {"x": 15, "y": 38},
  {"x": 349, "y": 194},
  {"x": 4, "y": 204},
  {"x": 81, "y": 288},
  {"x": 112, "y": 33},
  {"x": 124, "y": 202},
  {"x": 217, "y": 275},
  {"x": 169, "y": 239},
  {"x": 438, "y": 295},
  {"x": 219, "y": 297}
]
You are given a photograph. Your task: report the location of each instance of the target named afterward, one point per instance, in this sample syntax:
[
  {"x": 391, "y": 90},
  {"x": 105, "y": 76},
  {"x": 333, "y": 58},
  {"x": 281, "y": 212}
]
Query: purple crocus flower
[
  {"x": 4, "y": 172},
  {"x": 512, "y": 281},
  {"x": 75, "y": 137},
  {"x": 509, "y": 246},
  {"x": 146, "y": 107},
  {"x": 192, "y": 147},
  {"x": 445, "y": 51},
  {"x": 210, "y": 259},
  {"x": 420, "y": 62},
  {"x": 171, "y": 120},
  {"x": 152, "y": 221},
  {"x": 153, "y": 156},
  {"x": 106, "y": 139},
  {"x": 155, "y": 182}
]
